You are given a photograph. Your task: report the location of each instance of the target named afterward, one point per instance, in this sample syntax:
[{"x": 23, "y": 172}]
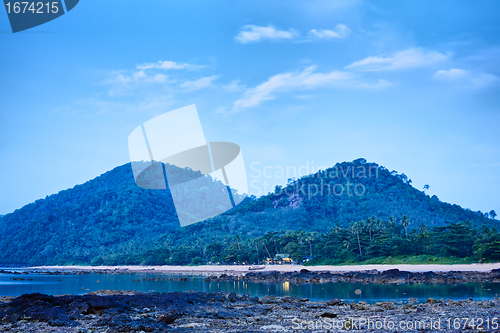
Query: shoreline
[
  {"x": 208, "y": 269},
  {"x": 106, "y": 311}
]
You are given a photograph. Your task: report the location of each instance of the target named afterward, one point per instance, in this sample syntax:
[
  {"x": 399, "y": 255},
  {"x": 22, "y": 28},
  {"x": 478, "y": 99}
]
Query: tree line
[{"x": 371, "y": 240}]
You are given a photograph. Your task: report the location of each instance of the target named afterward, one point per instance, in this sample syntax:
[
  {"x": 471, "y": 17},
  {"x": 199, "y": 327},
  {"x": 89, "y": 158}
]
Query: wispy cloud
[
  {"x": 121, "y": 82},
  {"x": 301, "y": 80},
  {"x": 451, "y": 74},
  {"x": 201, "y": 83},
  {"x": 168, "y": 65},
  {"x": 341, "y": 31},
  {"x": 149, "y": 75},
  {"x": 467, "y": 78},
  {"x": 407, "y": 59},
  {"x": 253, "y": 33},
  {"x": 234, "y": 86}
]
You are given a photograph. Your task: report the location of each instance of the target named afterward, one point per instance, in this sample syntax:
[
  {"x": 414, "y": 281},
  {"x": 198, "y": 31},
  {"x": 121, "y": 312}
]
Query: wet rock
[
  {"x": 231, "y": 297},
  {"x": 206, "y": 312},
  {"x": 360, "y": 306},
  {"x": 334, "y": 301},
  {"x": 36, "y": 307},
  {"x": 373, "y": 276},
  {"x": 431, "y": 301},
  {"x": 270, "y": 299},
  {"x": 328, "y": 315},
  {"x": 394, "y": 271},
  {"x": 167, "y": 318},
  {"x": 245, "y": 297},
  {"x": 386, "y": 305}
]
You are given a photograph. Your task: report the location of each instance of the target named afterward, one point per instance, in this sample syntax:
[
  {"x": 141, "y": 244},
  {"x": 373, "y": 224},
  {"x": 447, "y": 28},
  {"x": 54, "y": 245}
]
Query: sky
[{"x": 413, "y": 86}]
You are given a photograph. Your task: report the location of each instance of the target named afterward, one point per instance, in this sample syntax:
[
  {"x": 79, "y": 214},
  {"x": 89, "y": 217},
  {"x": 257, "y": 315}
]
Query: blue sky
[{"x": 413, "y": 86}]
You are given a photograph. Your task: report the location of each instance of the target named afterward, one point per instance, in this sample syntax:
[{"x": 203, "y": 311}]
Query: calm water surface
[{"x": 10, "y": 285}]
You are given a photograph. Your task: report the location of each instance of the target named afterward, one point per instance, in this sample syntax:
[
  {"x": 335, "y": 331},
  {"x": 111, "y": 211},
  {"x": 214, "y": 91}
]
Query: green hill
[{"x": 110, "y": 219}]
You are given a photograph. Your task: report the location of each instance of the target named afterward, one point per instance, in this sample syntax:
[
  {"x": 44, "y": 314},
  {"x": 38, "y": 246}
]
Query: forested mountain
[{"x": 110, "y": 219}]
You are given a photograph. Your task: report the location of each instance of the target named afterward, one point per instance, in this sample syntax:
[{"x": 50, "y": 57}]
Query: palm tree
[
  {"x": 369, "y": 225},
  {"x": 256, "y": 243},
  {"x": 405, "y": 222},
  {"x": 168, "y": 244},
  {"x": 237, "y": 239},
  {"x": 199, "y": 243},
  {"x": 310, "y": 239},
  {"x": 355, "y": 230},
  {"x": 391, "y": 224}
]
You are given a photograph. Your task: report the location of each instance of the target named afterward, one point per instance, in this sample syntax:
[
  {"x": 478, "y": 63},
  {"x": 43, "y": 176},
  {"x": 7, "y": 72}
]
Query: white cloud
[
  {"x": 147, "y": 75},
  {"x": 121, "y": 82},
  {"x": 198, "y": 84},
  {"x": 234, "y": 86},
  {"x": 411, "y": 58},
  {"x": 168, "y": 65},
  {"x": 306, "y": 79},
  {"x": 341, "y": 31},
  {"x": 253, "y": 33},
  {"x": 467, "y": 78},
  {"x": 452, "y": 74}
]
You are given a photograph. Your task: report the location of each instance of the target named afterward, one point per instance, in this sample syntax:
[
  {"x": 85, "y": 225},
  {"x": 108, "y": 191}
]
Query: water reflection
[{"x": 15, "y": 285}]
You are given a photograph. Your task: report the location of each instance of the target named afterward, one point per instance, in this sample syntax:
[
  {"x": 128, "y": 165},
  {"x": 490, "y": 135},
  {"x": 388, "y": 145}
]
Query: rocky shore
[
  {"x": 372, "y": 276},
  {"x": 394, "y": 276},
  {"x": 112, "y": 311}
]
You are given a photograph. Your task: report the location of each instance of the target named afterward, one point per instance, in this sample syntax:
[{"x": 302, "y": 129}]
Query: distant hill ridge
[{"x": 110, "y": 214}]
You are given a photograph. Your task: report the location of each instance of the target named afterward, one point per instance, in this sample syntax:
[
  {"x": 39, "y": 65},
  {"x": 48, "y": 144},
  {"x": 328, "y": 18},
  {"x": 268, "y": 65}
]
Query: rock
[
  {"x": 328, "y": 315},
  {"x": 360, "y": 306},
  {"x": 245, "y": 297},
  {"x": 167, "y": 318},
  {"x": 431, "y": 301},
  {"x": 254, "y": 299},
  {"x": 486, "y": 304},
  {"x": 270, "y": 299},
  {"x": 391, "y": 271},
  {"x": 231, "y": 297},
  {"x": 334, "y": 301},
  {"x": 386, "y": 305},
  {"x": 303, "y": 270}
]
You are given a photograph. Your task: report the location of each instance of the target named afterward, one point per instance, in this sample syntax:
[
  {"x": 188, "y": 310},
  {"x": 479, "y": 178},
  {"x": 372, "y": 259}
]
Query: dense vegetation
[
  {"x": 110, "y": 219},
  {"x": 370, "y": 241}
]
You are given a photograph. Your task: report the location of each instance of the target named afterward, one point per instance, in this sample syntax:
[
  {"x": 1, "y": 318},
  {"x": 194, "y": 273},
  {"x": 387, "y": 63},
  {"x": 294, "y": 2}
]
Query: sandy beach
[{"x": 283, "y": 268}]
